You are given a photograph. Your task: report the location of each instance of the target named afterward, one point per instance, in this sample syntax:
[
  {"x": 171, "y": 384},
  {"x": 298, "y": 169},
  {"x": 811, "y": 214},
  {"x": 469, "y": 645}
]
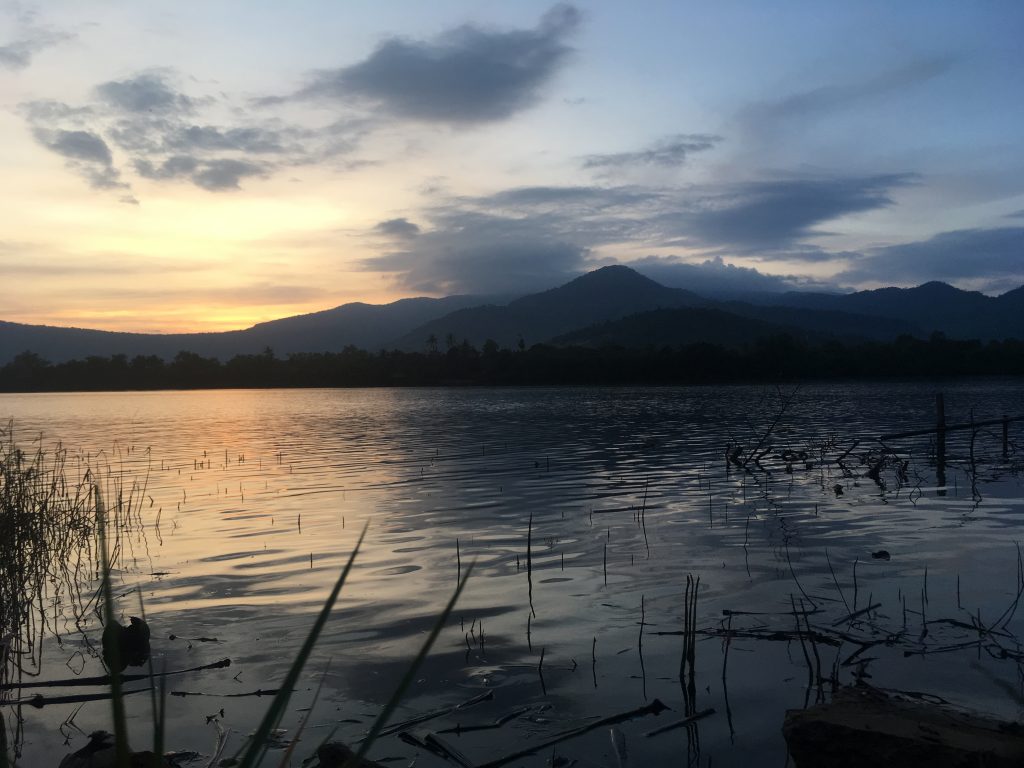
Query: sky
[{"x": 178, "y": 166}]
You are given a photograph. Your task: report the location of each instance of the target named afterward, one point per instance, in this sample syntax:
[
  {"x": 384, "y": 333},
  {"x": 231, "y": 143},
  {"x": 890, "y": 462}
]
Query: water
[{"x": 253, "y": 500}]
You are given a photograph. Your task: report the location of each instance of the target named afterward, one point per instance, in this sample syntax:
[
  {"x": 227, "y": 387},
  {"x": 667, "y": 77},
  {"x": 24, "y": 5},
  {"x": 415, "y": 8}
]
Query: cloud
[
  {"x": 527, "y": 238},
  {"x": 48, "y": 111},
  {"x": 823, "y": 99},
  {"x": 87, "y": 154},
  {"x": 148, "y": 92},
  {"x": 77, "y": 145},
  {"x": 465, "y": 75},
  {"x": 988, "y": 258},
  {"x": 670, "y": 152},
  {"x": 400, "y": 228},
  {"x": 162, "y": 132},
  {"x": 217, "y": 175},
  {"x": 171, "y": 168},
  {"x": 470, "y": 252},
  {"x": 211, "y": 175},
  {"x": 749, "y": 217},
  {"x": 254, "y": 140},
  {"x": 18, "y": 54},
  {"x": 50, "y": 259},
  {"x": 594, "y": 198},
  {"x": 715, "y": 277},
  {"x": 776, "y": 213}
]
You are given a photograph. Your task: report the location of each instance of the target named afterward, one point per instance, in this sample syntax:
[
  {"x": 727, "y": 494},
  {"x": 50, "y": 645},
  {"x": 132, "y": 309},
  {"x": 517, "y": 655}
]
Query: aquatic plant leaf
[
  {"x": 410, "y": 673},
  {"x": 257, "y": 744}
]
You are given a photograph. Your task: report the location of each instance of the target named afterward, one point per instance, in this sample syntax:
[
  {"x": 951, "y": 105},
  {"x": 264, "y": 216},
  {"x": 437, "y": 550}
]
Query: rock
[
  {"x": 881, "y": 554},
  {"x": 129, "y": 645},
  {"x": 865, "y": 726},
  {"x": 334, "y": 754}
]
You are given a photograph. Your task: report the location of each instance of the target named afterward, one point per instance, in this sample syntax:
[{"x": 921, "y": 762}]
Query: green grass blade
[
  {"x": 157, "y": 694},
  {"x": 116, "y": 694},
  {"x": 410, "y": 673},
  {"x": 257, "y": 743},
  {"x": 286, "y": 757}
]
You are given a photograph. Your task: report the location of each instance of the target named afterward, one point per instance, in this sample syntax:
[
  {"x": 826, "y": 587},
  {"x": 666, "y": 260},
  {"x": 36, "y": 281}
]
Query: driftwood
[
  {"x": 656, "y": 707},
  {"x": 105, "y": 679},
  {"x": 867, "y": 726}
]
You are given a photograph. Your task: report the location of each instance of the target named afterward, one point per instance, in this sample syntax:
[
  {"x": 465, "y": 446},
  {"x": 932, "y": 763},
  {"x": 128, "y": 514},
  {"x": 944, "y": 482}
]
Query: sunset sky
[{"x": 204, "y": 166}]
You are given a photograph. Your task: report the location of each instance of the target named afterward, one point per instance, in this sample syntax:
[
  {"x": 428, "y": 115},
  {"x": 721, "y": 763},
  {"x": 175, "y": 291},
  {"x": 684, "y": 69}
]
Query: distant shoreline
[{"x": 777, "y": 359}]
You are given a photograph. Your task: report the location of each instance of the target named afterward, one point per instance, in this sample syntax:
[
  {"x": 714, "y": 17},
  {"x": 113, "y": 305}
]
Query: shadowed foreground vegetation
[
  {"x": 781, "y": 358},
  {"x": 60, "y": 538}
]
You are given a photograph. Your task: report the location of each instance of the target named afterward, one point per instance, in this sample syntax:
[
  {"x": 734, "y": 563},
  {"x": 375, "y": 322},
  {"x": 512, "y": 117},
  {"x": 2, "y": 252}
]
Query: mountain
[
  {"x": 929, "y": 307},
  {"x": 612, "y": 293},
  {"x": 732, "y": 324},
  {"x": 825, "y": 323},
  {"x": 368, "y": 326},
  {"x": 605, "y": 294},
  {"x": 601, "y": 307},
  {"x": 675, "y": 327}
]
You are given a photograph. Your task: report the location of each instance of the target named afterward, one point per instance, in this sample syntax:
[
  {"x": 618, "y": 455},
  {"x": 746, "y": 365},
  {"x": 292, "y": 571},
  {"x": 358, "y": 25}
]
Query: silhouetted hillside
[
  {"x": 827, "y": 322},
  {"x": 930, "y": 307},
  {"x": 676, "y": 327},
  {"x": 368, "y": 326},
  {"x": 604, "y": 294}
]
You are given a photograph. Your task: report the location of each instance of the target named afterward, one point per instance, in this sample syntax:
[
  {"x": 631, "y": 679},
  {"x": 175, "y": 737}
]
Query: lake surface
[{"x": 251, "y": 501}]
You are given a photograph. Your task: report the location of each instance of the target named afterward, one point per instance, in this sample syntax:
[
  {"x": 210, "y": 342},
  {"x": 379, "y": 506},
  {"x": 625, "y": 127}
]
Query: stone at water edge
[{"x": 866, "y": 726}]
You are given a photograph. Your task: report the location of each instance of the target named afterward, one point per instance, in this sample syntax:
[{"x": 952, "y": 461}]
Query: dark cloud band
[{"x": 466, "y": 75}]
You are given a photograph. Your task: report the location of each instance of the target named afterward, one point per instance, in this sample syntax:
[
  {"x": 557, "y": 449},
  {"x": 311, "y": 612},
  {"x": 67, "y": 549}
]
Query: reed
[{"x": 529, "y": 563}]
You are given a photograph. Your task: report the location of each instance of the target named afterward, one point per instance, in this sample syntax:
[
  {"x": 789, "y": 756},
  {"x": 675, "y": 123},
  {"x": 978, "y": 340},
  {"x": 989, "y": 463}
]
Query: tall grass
[
  {"x": 46, "y": 530},
  {"x": 46, "y": 550}
]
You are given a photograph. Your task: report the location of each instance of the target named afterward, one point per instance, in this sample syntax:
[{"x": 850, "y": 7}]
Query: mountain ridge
[{"x": 605, "y": 295}]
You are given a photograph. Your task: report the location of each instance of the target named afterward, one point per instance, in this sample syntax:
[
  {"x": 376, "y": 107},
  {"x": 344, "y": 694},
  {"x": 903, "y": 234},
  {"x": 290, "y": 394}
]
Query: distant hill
[
  {"x": 605, "y": 294},
  {"x": 730, "y": 325},
  {"x": 930, "y": 307},
  {"x": 368, "y": 326},
  {"x": 674, "y": 327},
  {"x": 826, "y": 323},
  {"x": 596, "y": 308},
  {"x": 616, "y": 292}
]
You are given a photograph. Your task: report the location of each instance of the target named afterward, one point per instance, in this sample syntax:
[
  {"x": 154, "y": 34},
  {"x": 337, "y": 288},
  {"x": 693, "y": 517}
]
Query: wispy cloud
[
  {"x": 991, "y": 258},
  {"x": 669, "y": 152},
  {"x": 87, "y": 154},
  {"x": 823, "y": 99},
  {"x": 17, "y": 54},
  {"x": 162, "y": 134}
]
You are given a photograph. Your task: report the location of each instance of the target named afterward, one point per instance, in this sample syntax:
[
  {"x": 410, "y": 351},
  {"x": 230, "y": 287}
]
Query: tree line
[{"x": 771, "y": 359}]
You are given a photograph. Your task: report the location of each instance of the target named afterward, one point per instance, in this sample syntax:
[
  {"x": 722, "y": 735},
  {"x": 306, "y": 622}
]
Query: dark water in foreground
[{"x": 255, "y": 499}]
